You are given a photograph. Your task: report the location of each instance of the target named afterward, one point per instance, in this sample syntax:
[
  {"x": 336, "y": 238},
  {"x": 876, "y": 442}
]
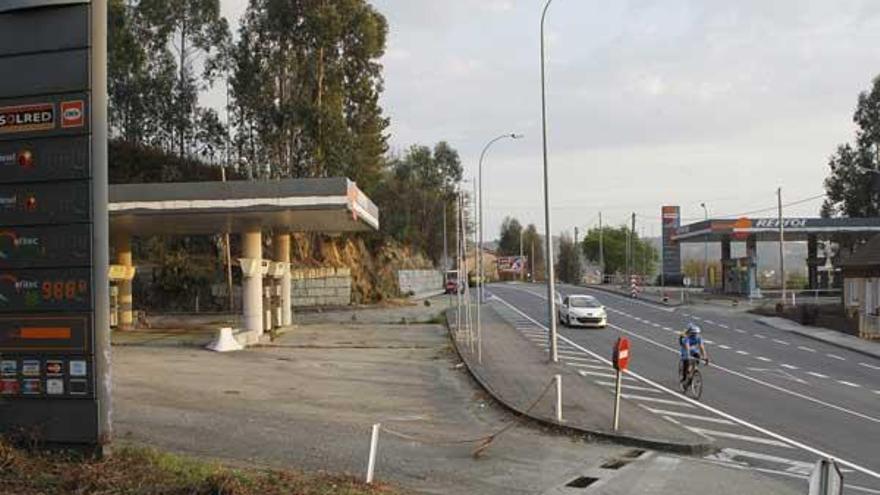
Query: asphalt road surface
[{"x": 772, "y": 400}]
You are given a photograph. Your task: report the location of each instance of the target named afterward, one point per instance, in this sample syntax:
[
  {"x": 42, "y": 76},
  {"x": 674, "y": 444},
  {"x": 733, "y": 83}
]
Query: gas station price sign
[{"x": 54, "y": 338}]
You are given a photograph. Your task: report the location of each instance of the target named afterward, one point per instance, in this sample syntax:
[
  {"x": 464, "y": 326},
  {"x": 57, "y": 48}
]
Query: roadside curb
[
  {"x": 827, "y": 336},
  {"x": 698, "y": 449}
]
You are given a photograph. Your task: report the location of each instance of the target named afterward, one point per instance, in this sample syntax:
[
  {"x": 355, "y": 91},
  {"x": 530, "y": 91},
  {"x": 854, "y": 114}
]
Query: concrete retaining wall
[
  {"x": 419, "y": 282},
  {"x": 321, "y": 287}
]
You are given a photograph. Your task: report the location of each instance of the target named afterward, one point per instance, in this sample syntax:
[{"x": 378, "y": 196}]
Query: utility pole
[
  {"x": 532, "y": 261},
  {"x": 445, "y": 246},
  {"x": 458, "y": 262},
  {"x": 601, "y": 249},
  {"x": 522, "y": 266},
  {"x": 548, "y": 259},
  {"x": 632, "y": 251},
  {"x": 781, "y": 246}
]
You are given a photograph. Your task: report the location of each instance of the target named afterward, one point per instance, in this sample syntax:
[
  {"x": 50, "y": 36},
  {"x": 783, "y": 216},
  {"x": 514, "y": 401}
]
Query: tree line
[{"x": 302, "y": 79}]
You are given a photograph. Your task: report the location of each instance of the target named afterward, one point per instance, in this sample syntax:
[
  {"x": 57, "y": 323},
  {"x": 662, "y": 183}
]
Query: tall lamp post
[
  {"x": 705, "y": 251},
  {"x": 551, "y": 276},
  {"x": 480, "y": 269}
]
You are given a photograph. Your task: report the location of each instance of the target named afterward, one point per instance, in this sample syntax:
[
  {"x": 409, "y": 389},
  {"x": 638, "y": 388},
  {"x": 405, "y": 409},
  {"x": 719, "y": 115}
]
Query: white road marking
[
  {"x": 782, "y": 342},
  {"x": 577, "y": 358},
  {"x": 590, "y": 366},
  {"x": 798, "y": 467},
  {"x": 697, "y": 318},
  {"x": 744, "y": 353},
  {"x": 817, "y": 375},
  {"x": 690, "y": 416},
  {"x": 742, "y": 422},
  {"x": 789, "y": 366},
  {"x": 736, "y": 436},
  {"x": 739, "y": 330},
  {"x": 656, "y": 325},
  {"x": 762, "y": 358},
  {"x": 722, "y": 325},
  {"x": 835, "y": 356},
  {"x": 806, "y": 349},
  {"x": 627, "y": 386},
  {"x": 709, "y": 341},
  {"x": 668, "y": 329},
  {"x": 758, "y": 335},
  {"x": 866, "y": 365},
  {"x": 849, "y": 384},
  {"x": 709, "y": 322},
  {"x": 655, "y": 399},
  {"x": 600, "y": 375},
  {"x": 725, "y": 347}
]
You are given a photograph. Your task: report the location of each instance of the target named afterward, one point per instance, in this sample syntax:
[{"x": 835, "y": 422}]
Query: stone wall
[
  {"x": 419, "y": 282},
  {"x": 321, "y": 287}
]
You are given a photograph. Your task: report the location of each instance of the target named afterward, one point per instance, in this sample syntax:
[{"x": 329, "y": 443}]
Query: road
[{"x": 774, "y": 401}]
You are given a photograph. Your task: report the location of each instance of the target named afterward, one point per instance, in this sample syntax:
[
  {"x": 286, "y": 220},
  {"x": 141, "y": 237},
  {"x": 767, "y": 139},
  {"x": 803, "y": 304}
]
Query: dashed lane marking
[
  {"x": 817, "y": 375},
  {"x": 697, "y": 417},
  {"x": 737, "y": 436},
  {"x": 835, "y": 356},
  {"x": 739, "y": 330},
  {"x": 789, "y": 366},
  {"x": 744, "y": 353},
  {"x": 803, "y": 348},
  {"x": 758, "y": 335},
  {"x": 849, "y": 384},
  {"x": 710, "y": 342},
  {"x": 709, "y": 322},
  {"x": 668, "y": 329},
  {"x": 866, "y": 365},
  {"x": 725, "y": 347},
  {"x": 781, "y": 342},
  {"x": 762, "y": 358}
]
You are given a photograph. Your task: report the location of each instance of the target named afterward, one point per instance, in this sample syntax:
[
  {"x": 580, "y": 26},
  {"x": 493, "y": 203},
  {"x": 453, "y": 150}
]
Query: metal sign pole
[{"x": 617, "y": 391}]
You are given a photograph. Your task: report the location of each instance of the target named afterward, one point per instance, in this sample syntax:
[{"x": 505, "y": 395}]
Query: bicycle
[{"x": 692, "y": 384}]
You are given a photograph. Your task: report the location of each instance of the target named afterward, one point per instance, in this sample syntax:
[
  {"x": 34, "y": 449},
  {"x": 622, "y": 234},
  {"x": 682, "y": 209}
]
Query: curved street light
[
  {"x": 548, "y": 265},
  {"x": 480, "y": 270}
]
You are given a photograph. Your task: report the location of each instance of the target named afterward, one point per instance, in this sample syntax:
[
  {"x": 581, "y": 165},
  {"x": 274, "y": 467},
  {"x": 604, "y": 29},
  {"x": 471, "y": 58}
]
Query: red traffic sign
[{"x": 620, "y": 358}]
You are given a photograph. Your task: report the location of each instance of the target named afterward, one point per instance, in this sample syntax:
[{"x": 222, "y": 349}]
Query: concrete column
[
  {"x": 725, "y": 264},
  {"x": 813, "y": 261},
  {"x": 122, "y": 246},
  {"x": 252, "y": 281},
  {"x": 752, "y": 254},
  {"x": 282, "y": 255}
]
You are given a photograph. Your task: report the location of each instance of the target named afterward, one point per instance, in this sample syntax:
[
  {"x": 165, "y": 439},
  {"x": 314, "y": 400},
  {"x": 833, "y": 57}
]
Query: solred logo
[{"x": 73, "y": 114}]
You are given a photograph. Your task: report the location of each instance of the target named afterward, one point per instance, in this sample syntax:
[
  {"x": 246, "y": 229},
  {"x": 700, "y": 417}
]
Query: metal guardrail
[{"x": 869, "y": 326}]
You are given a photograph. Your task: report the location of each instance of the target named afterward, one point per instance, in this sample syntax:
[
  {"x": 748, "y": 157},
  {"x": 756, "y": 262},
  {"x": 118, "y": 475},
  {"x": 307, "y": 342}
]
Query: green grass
[{"x": 146, "y": 471}]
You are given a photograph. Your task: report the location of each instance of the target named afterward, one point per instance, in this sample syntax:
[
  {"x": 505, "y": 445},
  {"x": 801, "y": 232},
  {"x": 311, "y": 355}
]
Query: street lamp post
[
  {"x": 480, "y": 269},
  {"x": 551, "y": 276},
  {"x": 705, "y": 251}
]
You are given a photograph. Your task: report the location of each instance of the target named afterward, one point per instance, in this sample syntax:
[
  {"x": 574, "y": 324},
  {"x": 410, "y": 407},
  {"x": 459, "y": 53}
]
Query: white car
[{"x": 582, "y": 310}]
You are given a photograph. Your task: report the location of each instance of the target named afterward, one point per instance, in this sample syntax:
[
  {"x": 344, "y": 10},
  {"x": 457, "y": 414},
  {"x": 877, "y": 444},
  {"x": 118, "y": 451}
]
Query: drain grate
[
  {"x": 582, "y": 482},
  {"x": 615, "y": 464},
  {"x": 634, "y": 454}
]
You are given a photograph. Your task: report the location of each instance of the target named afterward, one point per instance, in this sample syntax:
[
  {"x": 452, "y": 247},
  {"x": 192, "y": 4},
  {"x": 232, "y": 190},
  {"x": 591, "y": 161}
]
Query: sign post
[
  {"x": 620, "y": 360},
  {"x": 54, "y": 240}
]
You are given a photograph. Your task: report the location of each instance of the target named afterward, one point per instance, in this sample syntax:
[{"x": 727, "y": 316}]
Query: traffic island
[{"x": 517, "y": 374}]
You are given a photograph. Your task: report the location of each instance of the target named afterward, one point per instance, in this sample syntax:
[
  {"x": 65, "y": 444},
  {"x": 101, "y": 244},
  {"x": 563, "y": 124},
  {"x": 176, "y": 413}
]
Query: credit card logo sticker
[
  {"x": 78, "y": 368},
  {"x": 9, "y": 367},
  {"x": 30, "y": 367},
  {"x": 73, "y": 114},
  {"x": 54, "y": 368},
  {"x": 9, "y": 387},
  {"x": 55, "y": 386},
  {"x": 78, "y": 387},
  {"x": 31, "y": 386}
]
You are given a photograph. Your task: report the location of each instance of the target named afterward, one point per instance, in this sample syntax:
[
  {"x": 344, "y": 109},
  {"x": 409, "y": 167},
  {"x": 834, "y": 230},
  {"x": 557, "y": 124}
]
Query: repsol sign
[{"x": 773, "y": 223}]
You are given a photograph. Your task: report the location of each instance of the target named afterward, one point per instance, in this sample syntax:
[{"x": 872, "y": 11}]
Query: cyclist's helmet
[{"x": 693, "y": 329}]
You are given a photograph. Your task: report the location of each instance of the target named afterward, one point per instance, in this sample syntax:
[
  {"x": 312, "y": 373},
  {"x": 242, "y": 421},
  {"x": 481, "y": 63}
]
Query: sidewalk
[
  {"x": 832, "y": 337},
  {"x": 516, "y": 373}
]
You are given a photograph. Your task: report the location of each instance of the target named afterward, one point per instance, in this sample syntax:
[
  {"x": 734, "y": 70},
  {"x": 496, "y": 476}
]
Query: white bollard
[
  {"x": 558, "y": 379},
  {"x": 374, "y": 445}
]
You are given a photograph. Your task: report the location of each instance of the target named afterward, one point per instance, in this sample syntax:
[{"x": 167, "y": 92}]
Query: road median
[{"x": 515, "y": 373}]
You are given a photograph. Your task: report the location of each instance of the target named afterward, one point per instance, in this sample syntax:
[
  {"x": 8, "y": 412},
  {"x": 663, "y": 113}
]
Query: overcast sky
[{"x": 650, "y": 102}]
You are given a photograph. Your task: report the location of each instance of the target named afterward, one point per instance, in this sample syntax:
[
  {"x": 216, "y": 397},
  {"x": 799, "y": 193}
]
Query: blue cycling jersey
[{"x": 692, "y": 341}]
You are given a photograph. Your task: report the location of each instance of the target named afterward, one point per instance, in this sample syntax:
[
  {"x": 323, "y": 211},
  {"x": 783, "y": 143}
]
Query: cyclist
[{"x": 692, "y": 348}]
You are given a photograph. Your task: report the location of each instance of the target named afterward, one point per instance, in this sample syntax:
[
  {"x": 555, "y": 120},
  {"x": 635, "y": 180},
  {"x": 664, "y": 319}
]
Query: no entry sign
[{"x": 620, "y": 358}]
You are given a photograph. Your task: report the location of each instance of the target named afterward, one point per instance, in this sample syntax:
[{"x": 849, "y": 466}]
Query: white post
[
  {"x": 617, "y": 400},
  {"x": 252, "y": 282},
  {"x": 374, "y": 445},
  {"x": 558, "y": 379}
]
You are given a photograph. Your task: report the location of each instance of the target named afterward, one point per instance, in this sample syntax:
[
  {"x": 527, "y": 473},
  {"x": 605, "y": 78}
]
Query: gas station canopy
[
  {"x": 767, "y": 229},
  {"x": 293, "y": 205}
]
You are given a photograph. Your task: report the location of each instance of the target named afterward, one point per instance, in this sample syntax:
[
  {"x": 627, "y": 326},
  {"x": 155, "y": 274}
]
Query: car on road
[{"x": 582, "y": 310}]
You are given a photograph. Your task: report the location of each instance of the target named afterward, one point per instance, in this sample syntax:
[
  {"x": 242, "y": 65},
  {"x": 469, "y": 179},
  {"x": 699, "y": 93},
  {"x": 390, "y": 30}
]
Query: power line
[{"x": 762, "y": 210}]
